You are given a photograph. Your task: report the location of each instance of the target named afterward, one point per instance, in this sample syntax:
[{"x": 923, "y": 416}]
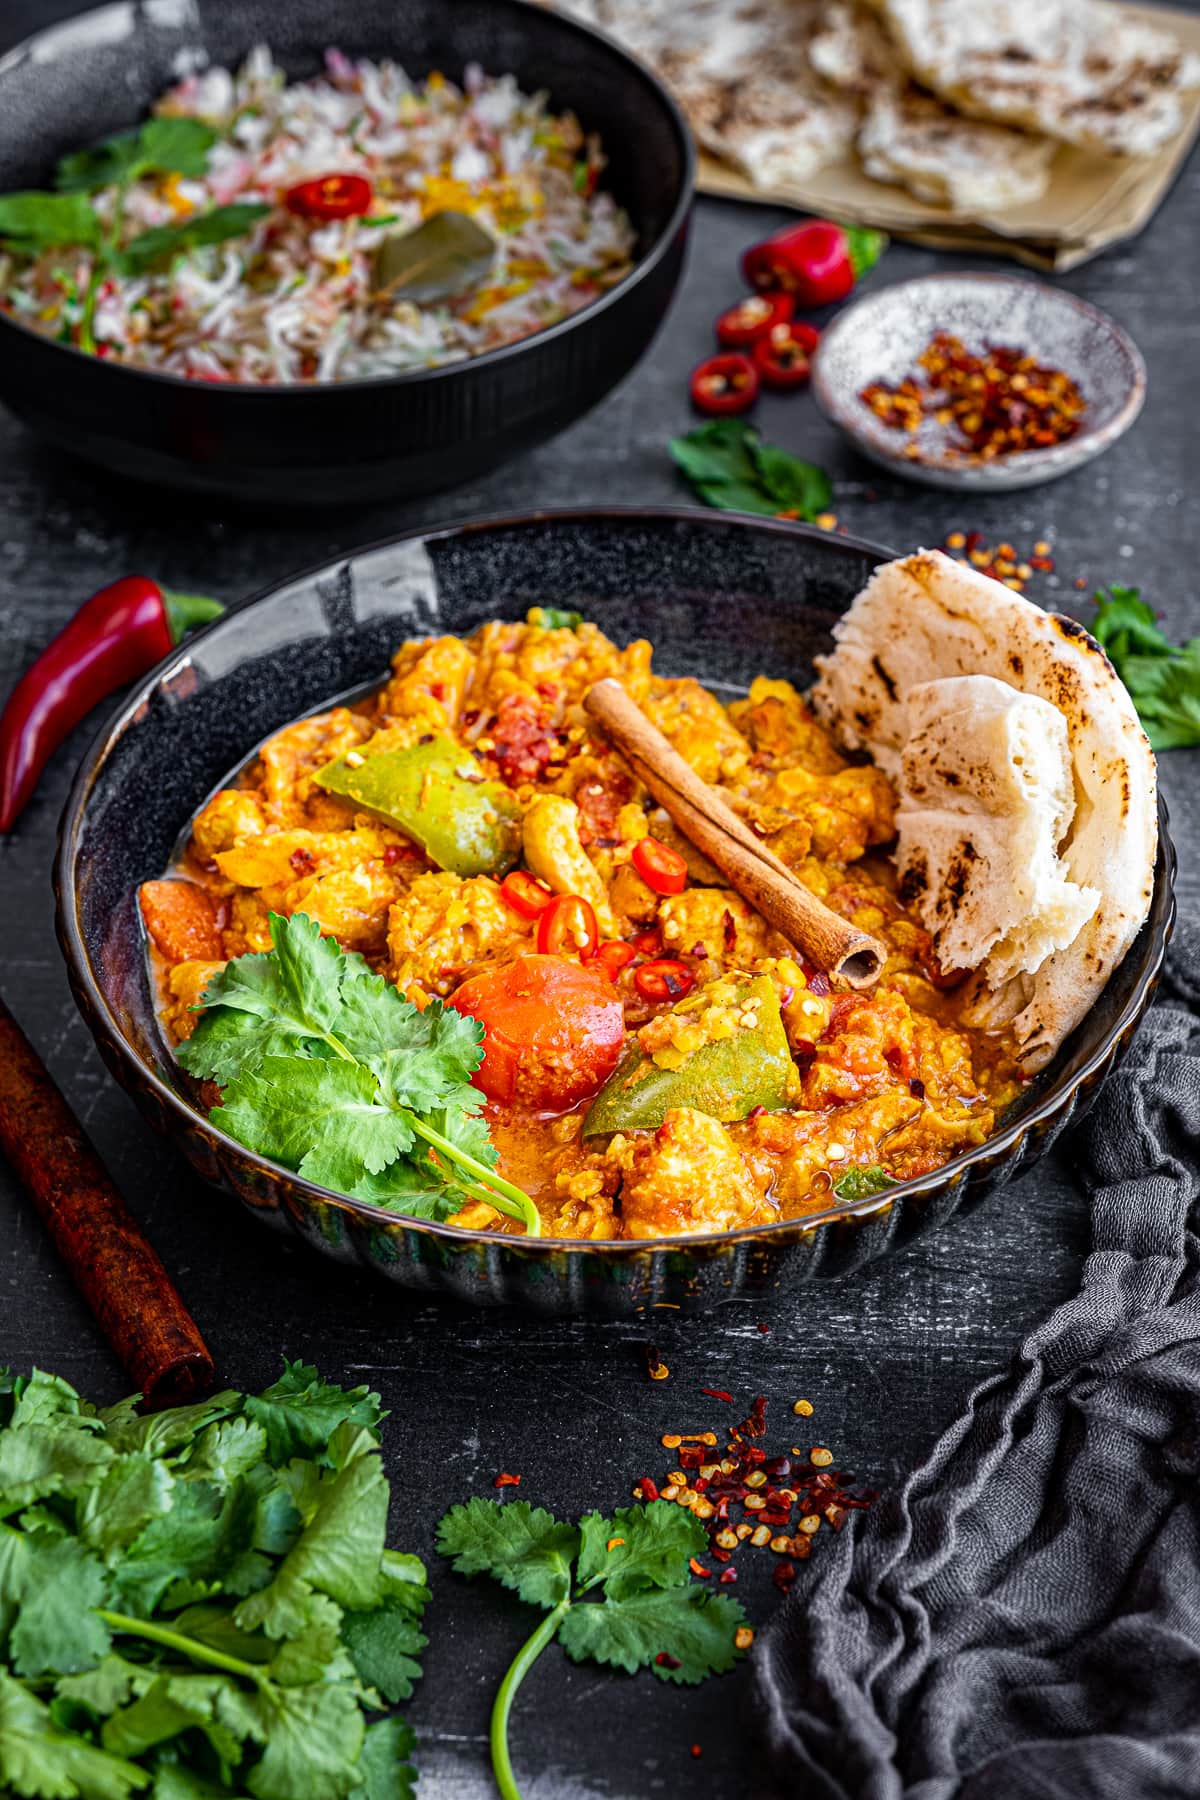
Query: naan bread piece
[
  {"x": 986, "y": 796},
  {"x": 911, "y": 138},
  {"x": 741, "y": 72},
  {"x": 1079, "y": 70},
  {"x": 927, "y": 617}
]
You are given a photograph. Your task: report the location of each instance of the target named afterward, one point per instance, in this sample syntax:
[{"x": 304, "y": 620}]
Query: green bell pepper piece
[
  {"x": 466, "y": 825},
  {"x": 726, "y": 1079}
]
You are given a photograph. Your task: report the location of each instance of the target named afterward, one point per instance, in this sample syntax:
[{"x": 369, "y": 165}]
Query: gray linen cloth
[{"x": 1021, "y": 1620}]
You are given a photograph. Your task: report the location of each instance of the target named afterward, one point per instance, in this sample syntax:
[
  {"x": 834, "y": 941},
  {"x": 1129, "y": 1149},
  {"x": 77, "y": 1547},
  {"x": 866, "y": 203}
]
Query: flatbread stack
[
  {"x": 1048, "y": 121},
  {"x": 1027, "y": 825}
]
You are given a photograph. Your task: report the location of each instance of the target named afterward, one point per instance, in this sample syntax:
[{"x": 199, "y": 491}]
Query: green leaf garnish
[
  {"x": 1163, "y": 678},
  {"x": 449, "y": 252},
  {"x": 36, "y": 221},
  {"x": 862, "y": 1182},
  {"x": 326, "y": 1069},
  {"x": 163, "y": 242},
  {"x": 730, "y": 467},
  {"x": 160, "y": 146},
  {"x": 555, "y": 618},
  {"x": 615, "y": 1591},
  {"x": 115, "y": 1680}
]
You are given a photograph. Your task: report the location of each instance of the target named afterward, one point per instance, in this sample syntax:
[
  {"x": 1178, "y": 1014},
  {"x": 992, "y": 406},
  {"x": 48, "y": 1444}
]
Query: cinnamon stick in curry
[
  {"x": 115, "y": 1269},
  {"x": 704, "y": 816}
]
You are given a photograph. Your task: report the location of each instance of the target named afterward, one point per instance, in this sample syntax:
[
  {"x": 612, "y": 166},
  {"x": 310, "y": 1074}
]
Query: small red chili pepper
[
  {"x": 524, "y": 895},
  {"x": 742, "y": 325},
  {"x": 724, "y": 384},
  {"x": 613, "y": 956},
  {"x": 660, "y": 867},
  {"x": 117, "y": 635},
  {"x": 818, "y": 262},
  {"x": 664, "y": 980},
  {"x": 783, "y": 358},
  {"x": 330, "y": 197},
  {"x": 568, "y": 927}
]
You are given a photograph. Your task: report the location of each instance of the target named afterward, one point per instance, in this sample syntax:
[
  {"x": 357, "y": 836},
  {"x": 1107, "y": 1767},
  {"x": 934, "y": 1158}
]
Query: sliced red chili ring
[
  {"x": 741, "y": 325},
  {"x": 613, "y": 956},
  {"x": 648, "y": 943},
  {"x": 664, "y": 980},
  {"x": 568, "y": 927},
  {"x": 782, "y": 358},
  {"x": 724, "y": 384},
  {"x": 527, "y": 897},
  {"x": 330, "y": 197},
  {"x": 660, "y": 867}
]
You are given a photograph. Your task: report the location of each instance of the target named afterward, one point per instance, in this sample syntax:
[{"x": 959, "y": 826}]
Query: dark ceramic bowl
[
  {"x": 351, "y": 441},
  {"x": 722, "y": 598}
]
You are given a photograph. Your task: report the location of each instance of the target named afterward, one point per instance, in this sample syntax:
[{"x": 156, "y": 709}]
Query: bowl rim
[
  {"x": 644, "y": 266},
  {"x": 1087, "y": 442},
  {"x": 83, "y": 977}
]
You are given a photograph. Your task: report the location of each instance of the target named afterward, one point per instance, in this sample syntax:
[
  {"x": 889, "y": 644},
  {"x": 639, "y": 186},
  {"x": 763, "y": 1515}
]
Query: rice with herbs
[{"x": 297, "y": 299}]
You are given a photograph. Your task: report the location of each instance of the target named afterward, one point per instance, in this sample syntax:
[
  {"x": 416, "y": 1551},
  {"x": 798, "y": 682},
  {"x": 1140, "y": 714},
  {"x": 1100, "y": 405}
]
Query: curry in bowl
[{"x": 443, "y": 950}]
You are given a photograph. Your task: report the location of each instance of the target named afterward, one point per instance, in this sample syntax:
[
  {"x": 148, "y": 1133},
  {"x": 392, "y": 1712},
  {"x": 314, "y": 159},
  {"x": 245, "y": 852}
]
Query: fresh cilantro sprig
[
  {"x": 614, "y": 1590},
  {"x": 1163, "y": 678},
  {"x": 730, "y": 467},
  {"x": 200, "y": 1602},
  {"x": 325, "y": 1068},
  {"x": 159, "y": 147},
  {"x": 860, "y": 1183}
]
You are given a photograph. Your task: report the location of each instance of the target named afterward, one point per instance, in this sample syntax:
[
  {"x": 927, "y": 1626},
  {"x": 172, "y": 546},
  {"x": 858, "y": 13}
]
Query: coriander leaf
[
  {"x": 40, "y": 1762},
  {"x": 384, "y": 1771},
  {"x": 313, "y": 1738},
  {"x": 419, "y": 1190},
  {"x": 322, "y": 1118},
  {"x": 156, "y": 1433},
  {"x": 385, "y": 1645},
  {"x": 174, "y": 1782},
  {"x": 522, "y": 1546},
  {"x": 185, "y": 1544},
  {"x": 35, "y": 221},
  {"x": 133, "y": 1490},
  {"x": 337, "y": 1554},
  {"x": 43, "y": 1397},
  {"x": 282, "y": 999},
  {"x": 56, "y": 1629},
  {"x": 177, "y": 146},
  {"x": 210, "y": 1704},
  {"x": 59, "y": 1457},
  {"x": 555, "y": 618},
  {"x": 799, "y": 487},
  {"x": 1166, "y": 692},
  {"x": 1125, "y": 625},
  {"x": 300, "y": 1412},
  {"x": 162, "y": 242},
  {"x": 227, "y": 1449},
  {"x": 316, "y": 1653},
  {"x": 860, "y": 1183},
  {"x": 650, "y": 1548},
  {"x": 694, "y": 1627},
  {"x": 421, "y": 1058},
  {"x": 106, "y": 1687},
  {"x": 214, "y": 1627}
]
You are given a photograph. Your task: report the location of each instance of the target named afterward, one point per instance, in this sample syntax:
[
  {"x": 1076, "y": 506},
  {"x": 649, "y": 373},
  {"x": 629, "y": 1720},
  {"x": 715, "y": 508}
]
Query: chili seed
[
  {"x": 804, "y": 1408},
  {"x": 743, "y": 1637},
  {"x": 760, "y": 1535},
  {"x": 809, "y": 1523},
  {"x": 820, "y": 1457},
  {"x": 727, "y": 1539},
  {"x": 756, "y": 1479},
  {"x": 670, "y": 1440},
  {"x": 754, "y": 1503},
  {"x": 780, "y": 1545}
]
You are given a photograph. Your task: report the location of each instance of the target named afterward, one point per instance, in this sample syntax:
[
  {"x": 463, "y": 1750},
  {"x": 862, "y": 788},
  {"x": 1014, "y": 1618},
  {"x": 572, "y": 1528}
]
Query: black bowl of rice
[{"x": 302, "y": 254}]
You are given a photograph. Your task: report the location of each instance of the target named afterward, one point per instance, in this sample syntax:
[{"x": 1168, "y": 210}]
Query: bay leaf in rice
[{"x": 446, "y": 254}]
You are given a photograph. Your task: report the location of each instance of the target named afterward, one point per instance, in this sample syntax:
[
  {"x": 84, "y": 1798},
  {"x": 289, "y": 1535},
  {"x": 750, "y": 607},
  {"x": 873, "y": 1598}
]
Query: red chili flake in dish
[
  {"x": 696, "y": 1750},
  {"x": 717, "y": 1394},
  {"x": 665, "y": 1660},
  {"x": 504, "y": 1480},
  {"x": 998, "y": 401}
]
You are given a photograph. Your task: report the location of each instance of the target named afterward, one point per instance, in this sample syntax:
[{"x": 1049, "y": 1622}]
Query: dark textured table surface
[{"x": 888, "y": 1360}]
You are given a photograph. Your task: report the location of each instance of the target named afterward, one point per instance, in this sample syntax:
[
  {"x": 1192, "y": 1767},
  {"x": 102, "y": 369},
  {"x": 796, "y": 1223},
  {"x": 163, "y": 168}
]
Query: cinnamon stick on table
[
  {"x": 704, "y": 816},
  {"x": 115, "y": 1269}
]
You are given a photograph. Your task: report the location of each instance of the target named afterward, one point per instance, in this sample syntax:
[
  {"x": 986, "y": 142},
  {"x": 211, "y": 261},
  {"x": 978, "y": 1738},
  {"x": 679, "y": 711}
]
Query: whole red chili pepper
[
  {"x": 724, "y": 384},
  {"x": 818, "y": 262},
  {"x": 117, "y": 635},
  {"x": 783, "y": 357},
  {"x": 752, "y": 318},
  {"x": 330, "y": 197}
]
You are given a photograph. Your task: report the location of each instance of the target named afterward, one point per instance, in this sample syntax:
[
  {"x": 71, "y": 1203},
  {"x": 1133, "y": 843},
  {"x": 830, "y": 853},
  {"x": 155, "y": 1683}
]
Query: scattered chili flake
[
  {"x": 765, "y": 1329},
  {"x": 504, "y": 1480},
  {"x": 718, "y": 1394},
  {"x": 646, "y": 1489},
  {"x": 804, "y": 1408},
  {"x": 694, "y": 1564},
  {"x": 613, "y": 1542},
  {"x": 784, "y": 1576},
  {"x": 670, "y": 1440},
  {"x": 696, "y": 1750},
  {"x": 665, "y": 1660},
  {"x": 998, "y": 401}
]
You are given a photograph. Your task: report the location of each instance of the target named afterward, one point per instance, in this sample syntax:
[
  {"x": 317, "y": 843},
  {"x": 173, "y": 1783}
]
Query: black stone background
[{"x": 887, "y": 1360}]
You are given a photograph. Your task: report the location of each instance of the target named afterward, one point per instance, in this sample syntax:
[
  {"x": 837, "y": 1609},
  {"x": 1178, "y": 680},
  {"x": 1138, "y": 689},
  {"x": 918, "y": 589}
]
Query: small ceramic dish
[{"x": 881, "y": 336}]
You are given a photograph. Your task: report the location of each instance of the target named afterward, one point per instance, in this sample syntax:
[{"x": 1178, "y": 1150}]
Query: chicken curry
[{"x": 657, "y": 1059}]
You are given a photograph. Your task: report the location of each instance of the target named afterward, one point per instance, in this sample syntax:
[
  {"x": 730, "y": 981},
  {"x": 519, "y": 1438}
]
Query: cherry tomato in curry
[{"x": 553, "y": 1028}]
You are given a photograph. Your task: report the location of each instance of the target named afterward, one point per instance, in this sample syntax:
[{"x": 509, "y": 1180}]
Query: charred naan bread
[
  {"x": 741, "y": 72},
  {"x": 909, "y": 137},
  {"x": 1080, "y": 70},
  {"x": 927, "y": 618}
]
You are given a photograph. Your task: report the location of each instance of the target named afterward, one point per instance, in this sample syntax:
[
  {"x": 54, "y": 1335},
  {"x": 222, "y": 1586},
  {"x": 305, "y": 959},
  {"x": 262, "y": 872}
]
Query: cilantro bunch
[
  {"x": 614, "y": 1590},
  {"x": 200, "y": 1602},
  {"x": 326, "y": 1069},
  {"x": 1163, "y": 678},
  {"x": 36, "y": 220},
  {"x": 729, "y": 466}
]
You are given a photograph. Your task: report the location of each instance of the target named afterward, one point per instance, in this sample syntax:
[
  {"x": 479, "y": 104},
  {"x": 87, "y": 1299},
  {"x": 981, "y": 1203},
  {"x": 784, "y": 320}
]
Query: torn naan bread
[
  {"x": 986, "y": 795},
  {"x": 741, "y": 72},
  {"x": 909, "y": 137},
  {"x": 927, "y": 617},
  {"x": 1084, "y": 71}
]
